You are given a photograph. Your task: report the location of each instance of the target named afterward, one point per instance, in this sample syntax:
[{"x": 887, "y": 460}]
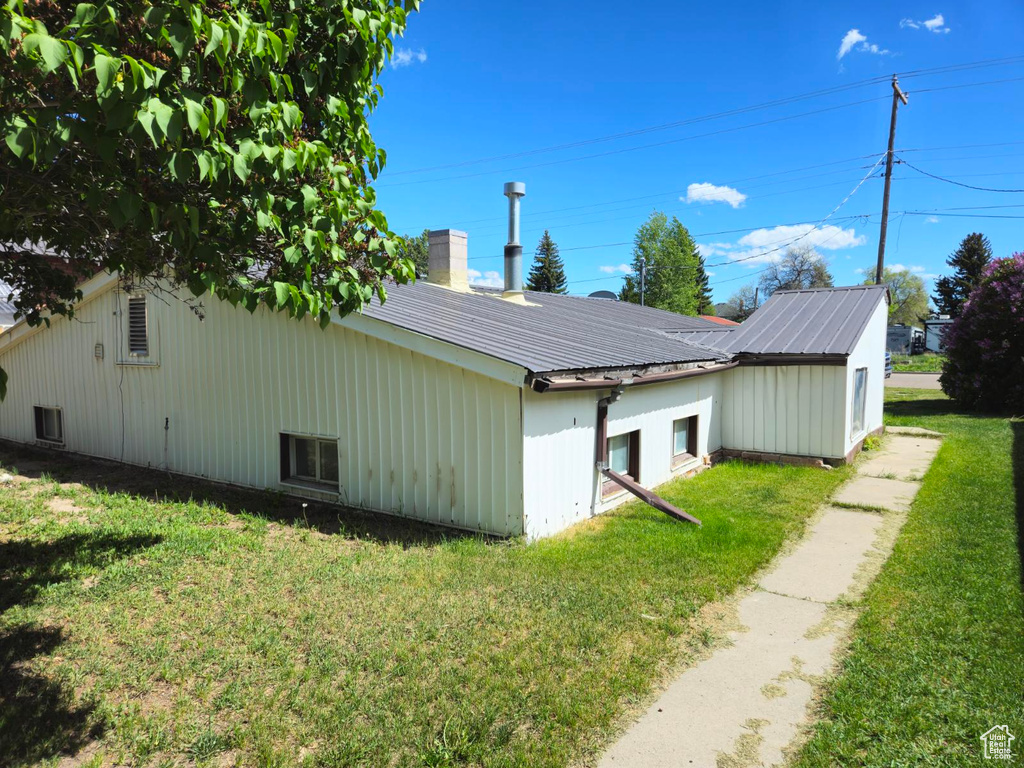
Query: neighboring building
[
  {"x": 514, "y": 414},
  {"x": 904, "y": 340},
  {"x": 718, "y": 320},
  {"x": 7, "y": 308},
  {"x": 934, "y": 331}
]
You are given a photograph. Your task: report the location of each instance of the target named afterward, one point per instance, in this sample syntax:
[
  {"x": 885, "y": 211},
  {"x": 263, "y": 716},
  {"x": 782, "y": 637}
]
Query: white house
[{"x": 510, "y": 413}]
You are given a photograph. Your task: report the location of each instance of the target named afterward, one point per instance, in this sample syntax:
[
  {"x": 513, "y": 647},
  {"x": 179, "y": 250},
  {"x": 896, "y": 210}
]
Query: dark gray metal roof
[
  {"x": 558, "y": 333},
  {"x": 817, "y": 321}
]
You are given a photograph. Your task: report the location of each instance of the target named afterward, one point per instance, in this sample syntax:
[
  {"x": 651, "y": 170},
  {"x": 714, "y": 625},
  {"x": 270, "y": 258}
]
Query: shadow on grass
[
  {"x": 162, "y": 487},
  {"x": 39, "y": 715},
  {"x": 927, "y": 407},
  {"x": 1018, "y": 482}
]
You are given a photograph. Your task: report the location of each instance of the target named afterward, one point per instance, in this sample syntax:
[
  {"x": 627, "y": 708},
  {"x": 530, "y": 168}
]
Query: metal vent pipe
[{"x": 514, "y": 191}]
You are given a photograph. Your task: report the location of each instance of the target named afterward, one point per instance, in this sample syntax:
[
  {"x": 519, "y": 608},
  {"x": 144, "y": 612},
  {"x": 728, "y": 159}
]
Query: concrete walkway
[
  {"x": 748, "y": 703},
  {"x": 914, "y": 381}
]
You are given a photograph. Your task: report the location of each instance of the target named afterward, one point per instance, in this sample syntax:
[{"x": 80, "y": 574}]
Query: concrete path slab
[
  {"x": 823, "y": 567},
  {"x": 914, "y": 381},
  {"x": 918, "y": 431},
  {"x": 902, "y": 457},
  {"x": 719, "y": 706},
  {"x": 747, "y": 702},
  {"x": 877, "y": 493}
]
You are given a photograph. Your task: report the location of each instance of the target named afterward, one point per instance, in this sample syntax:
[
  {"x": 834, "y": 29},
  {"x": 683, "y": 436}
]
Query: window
[
  {"x": 49, "y": 424},
  {"x": 138, "y": 327},
  {"x": 860, "y": 396},
  {"x": 623, "y": 459},
  {"x": 309, "y": 460},
  {"x": 684, "y": 440}
]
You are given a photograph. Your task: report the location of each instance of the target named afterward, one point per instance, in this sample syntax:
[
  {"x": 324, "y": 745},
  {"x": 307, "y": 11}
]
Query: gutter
[{"x": 542, "y": 384}]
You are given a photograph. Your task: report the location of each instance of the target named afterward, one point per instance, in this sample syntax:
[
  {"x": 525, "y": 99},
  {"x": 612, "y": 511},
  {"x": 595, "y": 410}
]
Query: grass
[
  {"x": 148, "y": 620},
  {"x": 937, "y": 654},
  {"x": 929, "y": 362}
]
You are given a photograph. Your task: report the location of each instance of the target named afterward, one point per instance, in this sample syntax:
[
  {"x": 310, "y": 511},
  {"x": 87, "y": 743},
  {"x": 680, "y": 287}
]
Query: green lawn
[
  {"x": 938, "y": 655},
  {"x": 929, "y": 362},
  {"x": 240, "y": 629}
]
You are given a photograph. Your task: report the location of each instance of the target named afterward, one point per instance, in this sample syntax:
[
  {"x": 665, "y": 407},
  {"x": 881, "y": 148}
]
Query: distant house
[
  {"x": 934, "y": 331},
  {"x": 505, "y": 412},
  {"x": 904, "y": 340},
  {"x": 718, "y": 320}
]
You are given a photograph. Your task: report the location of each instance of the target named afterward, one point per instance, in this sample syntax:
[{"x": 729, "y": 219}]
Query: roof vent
[{"x": 514, "y": 191}]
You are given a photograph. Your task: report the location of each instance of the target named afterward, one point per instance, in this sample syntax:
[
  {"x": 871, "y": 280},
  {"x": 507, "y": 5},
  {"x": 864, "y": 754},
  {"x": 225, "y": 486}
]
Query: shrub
[{"x": 984, "y": 367}]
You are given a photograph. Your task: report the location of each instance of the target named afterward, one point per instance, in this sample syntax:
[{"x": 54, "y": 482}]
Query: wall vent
[{"x": 138, "y": 328}]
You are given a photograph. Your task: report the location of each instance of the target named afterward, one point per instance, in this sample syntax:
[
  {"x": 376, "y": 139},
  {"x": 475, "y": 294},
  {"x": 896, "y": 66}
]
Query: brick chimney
[{"x": 447, "y": 260}]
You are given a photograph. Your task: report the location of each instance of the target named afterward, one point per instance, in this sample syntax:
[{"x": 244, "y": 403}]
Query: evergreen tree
[
  {"x": 705, "y": 301},
  {"x": 671, "y": 264},
  {"x": 547, "y": 274},
  {"x": 418, "y": 250},
  {"x": 968, "y": 262}
]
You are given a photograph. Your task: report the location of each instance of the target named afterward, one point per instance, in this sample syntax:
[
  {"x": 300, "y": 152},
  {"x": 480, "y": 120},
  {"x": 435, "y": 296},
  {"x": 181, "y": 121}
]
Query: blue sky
[{"x": 482, "y": 92}]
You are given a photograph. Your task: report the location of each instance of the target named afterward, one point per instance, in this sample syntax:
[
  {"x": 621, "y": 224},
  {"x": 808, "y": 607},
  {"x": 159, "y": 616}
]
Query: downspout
[{"x": 601, "y": 451}]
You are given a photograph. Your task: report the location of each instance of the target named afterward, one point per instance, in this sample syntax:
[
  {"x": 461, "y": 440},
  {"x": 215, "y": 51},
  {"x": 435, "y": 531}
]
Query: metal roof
[
  {"x": 816, "y": 321},
  {"x": 7, "y": 308},
  {"x": 557, "y": 333}
]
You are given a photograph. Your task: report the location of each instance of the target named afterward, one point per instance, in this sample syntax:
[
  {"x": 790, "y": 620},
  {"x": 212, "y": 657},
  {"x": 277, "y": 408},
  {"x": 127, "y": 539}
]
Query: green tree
[
  {"x": 705, "y": 299},
  {"x": 224, "y": 146},
  {"x": 800, "y": 267},
  {"x": 417, "y": 250},
  {"x": 671, "y": 265},
  {"x": 968, "y": 263},
  {"x": 547, "y": 274},
  {"x": 908, "y": 299}
]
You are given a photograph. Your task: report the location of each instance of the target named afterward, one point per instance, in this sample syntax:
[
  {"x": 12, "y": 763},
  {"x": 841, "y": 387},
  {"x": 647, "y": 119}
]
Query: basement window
[
  {"x": 49, "y": 425},
  {"x": 684, "y": 440},
  {"x": 138, "y": 327},
  {"x": 623, "y": 459},
  {"x": 309, "y": 461}
]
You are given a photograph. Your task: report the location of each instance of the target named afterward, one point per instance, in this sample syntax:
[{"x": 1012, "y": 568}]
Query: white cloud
[
  {"x": 714, "y": 249},
  {"x": 854, "y": 40},
  {"x": 932, "y": 220},
  {"x": 936, "y": 24},
  {"x": 710, "y": 193},
  {"x": 617, "y": 269},
  {"x": 767, "y": 245},
  {"x": 403, "y": 57},
  {"x": 489, "y": 279}
]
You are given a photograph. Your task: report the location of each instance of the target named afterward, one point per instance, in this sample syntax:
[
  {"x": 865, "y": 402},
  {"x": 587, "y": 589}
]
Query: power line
[{"x": 957, "y": 183}]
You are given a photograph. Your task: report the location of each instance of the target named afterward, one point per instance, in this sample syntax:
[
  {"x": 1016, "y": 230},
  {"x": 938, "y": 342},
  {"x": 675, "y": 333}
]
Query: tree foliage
[
  {"x": 968, "y": 262},
  {"x": 800, "y": 268},
  {"x": 984, "y": 345},
  {"x": 705, "y": 299},
  {"x": 417, "y": 250},
  {"x": 547, "y": 274},
  {"x": 741, "y": 304},
  {"x": 908, "y": 297},
  {"x": 671, "y": 264},
  {"x": 221, "y": 145}
]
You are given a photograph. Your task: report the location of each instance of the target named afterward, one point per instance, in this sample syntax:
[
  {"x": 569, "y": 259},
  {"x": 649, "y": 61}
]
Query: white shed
[{"x": 448, "y": 404}]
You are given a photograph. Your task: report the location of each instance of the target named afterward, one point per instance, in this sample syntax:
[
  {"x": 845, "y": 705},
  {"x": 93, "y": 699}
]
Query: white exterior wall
[
  {"x": 561, "y": 484},
  {"x": 417, "y": 436},
  {"x": 869, "y": 353},
  {"x": 788, "y": 409}
]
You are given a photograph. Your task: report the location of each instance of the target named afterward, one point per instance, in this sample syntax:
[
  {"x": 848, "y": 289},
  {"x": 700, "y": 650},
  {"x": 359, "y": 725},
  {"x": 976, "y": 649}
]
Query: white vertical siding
[
  {"x": 790, "y": 409},
  {"x": 416, "y": 436},
  {"x": 561, "y": 484},
  {"x": 868, "y": 353}
]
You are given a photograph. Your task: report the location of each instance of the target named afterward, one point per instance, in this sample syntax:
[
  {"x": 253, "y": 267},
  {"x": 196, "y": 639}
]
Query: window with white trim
[
  {"x": 860, "y": 397},
  {"x": 623, "y": 459},
  {"x": 138, "y": 327},
  {"x": 309, "y": 460},
  {"x": 684, "y": 440},
  {"x": 49, "y": 424}
]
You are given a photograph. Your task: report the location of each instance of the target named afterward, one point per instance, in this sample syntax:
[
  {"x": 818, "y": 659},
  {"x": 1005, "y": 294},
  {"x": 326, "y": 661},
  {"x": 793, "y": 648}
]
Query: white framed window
[
  {"x": 309, "y": 459},
  {"x": 860, "y": 397},
  {"x": 623, "y": 459},
  {"x": 138, "y": 327},
  {"x": 49, "y": 424},
  {"x": 684, "y": 440}
]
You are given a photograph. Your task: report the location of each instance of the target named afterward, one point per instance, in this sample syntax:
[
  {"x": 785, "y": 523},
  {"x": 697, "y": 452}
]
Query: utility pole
[
  {"x": 643, "y": 279},
  {"x": 756, "y": 289},
  {"x": 897, "y": 97}
]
